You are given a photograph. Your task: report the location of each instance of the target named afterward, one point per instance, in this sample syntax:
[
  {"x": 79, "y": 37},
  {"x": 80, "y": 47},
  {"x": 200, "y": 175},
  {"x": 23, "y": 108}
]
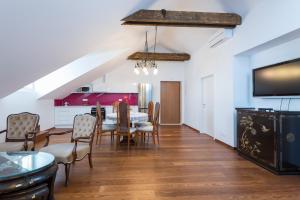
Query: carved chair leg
[
  {"x": 153, "y": 137},
  {"x": 118, "y": 140},
  {"x": 157, "y": 137},
  {"x": 112, "y": 136},
  {"x": 128, "y": 140},
  {"x": 97, "y": 138},
  {"x": 67, "y": 172},
  {"x": 100, "y": 138},
  {"x": 25, "y": 147},
  {"x": 136, "y": 138},
  {"x": 90, "y": 160}
]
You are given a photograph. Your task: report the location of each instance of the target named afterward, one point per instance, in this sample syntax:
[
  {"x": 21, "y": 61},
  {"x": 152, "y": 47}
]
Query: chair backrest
[
  {"x": 98, "y": 113},
  {"x": 99, "y": 119},
  {"x": 156, "y": 115},
  {"x": 115, "y": 106},
  {"x": 150, "y": 111},
  {"x": 123, "y": 117},
  {"x": 84, "y": 126},
  {"x": 20, "y": 124}
]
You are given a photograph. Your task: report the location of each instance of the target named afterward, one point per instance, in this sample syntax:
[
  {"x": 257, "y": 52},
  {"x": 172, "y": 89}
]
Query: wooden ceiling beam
[
  {"x": 183, "y": 19},
  {"x": 160, "y": 56}
]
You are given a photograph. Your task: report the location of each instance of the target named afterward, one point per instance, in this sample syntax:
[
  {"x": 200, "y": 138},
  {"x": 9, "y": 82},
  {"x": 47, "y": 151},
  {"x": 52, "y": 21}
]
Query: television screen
[{"x": 282, "y": 79}]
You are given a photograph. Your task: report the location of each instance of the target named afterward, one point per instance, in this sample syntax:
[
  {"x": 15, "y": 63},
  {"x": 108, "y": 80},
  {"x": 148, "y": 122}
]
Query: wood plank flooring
[{"x": 186, "y": 166}]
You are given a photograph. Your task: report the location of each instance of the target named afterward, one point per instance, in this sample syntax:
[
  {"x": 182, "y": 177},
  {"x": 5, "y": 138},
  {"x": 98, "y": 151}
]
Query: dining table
[{"x": 134, "y": 117}]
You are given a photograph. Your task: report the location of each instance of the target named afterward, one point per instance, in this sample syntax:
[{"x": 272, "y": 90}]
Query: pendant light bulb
[
  {"x": 155, "y": 71},
  {"x": 145, "y": 70},
  {"x": 136, "y": 71}
]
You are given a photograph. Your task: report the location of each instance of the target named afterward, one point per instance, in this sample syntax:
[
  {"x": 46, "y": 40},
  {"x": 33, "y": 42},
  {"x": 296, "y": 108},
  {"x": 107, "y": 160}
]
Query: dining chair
[
  {"x": 78, "y": 148},
  {"x": 21, "y": 130},
  {"x": 123, "y": 123},
  {"x": 151, "y": 129},
  {"x": 115, "y": 106},
  {"x": 102, "y": 129},
  {"x": 150, "y": 116}
]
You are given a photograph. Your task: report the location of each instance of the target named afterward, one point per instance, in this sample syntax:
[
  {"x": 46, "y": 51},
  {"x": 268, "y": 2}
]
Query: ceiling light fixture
[{"x": 147, "y": 64}]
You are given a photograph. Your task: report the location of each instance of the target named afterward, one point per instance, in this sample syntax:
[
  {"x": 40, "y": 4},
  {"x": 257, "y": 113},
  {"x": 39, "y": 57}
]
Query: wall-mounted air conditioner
[{"x": 220, "y": 37}]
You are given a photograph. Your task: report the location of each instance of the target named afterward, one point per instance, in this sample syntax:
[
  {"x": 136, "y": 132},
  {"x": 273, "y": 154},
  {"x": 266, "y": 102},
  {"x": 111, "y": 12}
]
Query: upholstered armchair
[
  {"x": 78, "y": 148},
  {"x": 20, "y": 132}
]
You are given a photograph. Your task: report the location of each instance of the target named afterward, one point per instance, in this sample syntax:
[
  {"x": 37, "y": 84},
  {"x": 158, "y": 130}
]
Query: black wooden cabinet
[
  {"x": 27, "y": 175},
  {"x": 38, "y": 186},
  {"x": 270, "y": 139}
]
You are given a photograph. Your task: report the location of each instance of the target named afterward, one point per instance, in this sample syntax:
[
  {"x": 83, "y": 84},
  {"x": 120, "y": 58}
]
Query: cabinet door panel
[
  {"x": 257, "y": 136},
  {"x": 290, "y": 142}
]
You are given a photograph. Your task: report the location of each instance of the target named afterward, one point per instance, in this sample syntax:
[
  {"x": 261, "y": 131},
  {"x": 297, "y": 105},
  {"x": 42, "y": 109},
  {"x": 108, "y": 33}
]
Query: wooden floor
[{"x": 186, "y": 165}]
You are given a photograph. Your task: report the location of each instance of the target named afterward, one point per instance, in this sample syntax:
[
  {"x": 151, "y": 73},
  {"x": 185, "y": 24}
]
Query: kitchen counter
[{"x": 64, "y": 115}]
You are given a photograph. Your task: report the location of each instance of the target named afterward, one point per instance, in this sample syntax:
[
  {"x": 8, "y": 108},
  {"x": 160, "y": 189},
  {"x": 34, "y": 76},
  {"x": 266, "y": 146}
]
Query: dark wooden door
[{"x": 170, "y": 102}]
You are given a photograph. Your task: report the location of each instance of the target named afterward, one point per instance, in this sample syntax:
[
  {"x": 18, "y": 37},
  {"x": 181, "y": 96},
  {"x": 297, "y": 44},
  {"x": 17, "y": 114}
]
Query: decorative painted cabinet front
[
  {"x": 257, "y": 136},
  {"x": 270, "y": 139}
]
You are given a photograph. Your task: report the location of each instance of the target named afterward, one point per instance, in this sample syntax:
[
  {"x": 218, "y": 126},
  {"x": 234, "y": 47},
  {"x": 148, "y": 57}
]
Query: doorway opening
[
  {"x": 170, "y": 102},
  {"x": 207, "y": 105}
]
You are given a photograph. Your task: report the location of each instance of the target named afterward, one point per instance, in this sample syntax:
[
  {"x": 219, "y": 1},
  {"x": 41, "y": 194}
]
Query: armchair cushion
[
  {"x": 15, "y": 146},
  {"x": 20, "y": 124},
  {"x": 63, "y": 151}
]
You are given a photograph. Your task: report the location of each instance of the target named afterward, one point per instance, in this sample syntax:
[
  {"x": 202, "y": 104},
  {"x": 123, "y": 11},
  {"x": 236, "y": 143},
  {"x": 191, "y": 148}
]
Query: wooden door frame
[{"x": 180, "y": 101}]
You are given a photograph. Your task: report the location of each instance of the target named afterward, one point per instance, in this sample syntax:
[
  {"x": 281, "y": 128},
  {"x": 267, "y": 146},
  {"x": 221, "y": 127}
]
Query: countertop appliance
[
  {"x": 144, "y": 96},
  {"x": 94, "y": 111}
]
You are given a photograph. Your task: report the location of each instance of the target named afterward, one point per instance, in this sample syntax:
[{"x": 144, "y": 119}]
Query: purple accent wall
[{"x": 76, "y": 99}]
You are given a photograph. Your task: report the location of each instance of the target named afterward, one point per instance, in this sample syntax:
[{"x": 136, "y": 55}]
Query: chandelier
[{"x": 146, "y": 64}]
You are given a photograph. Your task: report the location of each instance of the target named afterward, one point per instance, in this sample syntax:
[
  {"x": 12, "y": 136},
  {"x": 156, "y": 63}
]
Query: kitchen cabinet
[{"x": 64, "y": 115}]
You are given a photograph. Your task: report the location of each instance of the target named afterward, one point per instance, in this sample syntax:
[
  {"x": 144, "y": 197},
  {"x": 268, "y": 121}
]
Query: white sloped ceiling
[{"x": 39, "y": 37}]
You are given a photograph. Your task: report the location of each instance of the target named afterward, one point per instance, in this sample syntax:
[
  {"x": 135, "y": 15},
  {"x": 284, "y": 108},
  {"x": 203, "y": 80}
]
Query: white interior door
[{"x": 208, "y": 105}]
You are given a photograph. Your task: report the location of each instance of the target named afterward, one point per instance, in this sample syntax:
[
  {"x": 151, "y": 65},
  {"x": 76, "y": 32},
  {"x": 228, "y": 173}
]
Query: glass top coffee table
[
  {"x": 17, "y": 164},
  {"x": 27, "y": 174}
]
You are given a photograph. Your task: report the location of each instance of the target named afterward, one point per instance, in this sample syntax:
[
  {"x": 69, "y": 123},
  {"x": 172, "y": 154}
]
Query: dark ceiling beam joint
[
  {"x": 160, "y": 56},
  {"x": 183, "y": 19}
]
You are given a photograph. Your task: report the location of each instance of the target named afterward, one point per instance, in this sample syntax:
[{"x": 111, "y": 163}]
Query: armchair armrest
[
  {"x": 51, "y": 133},
  {"x": 3, "y": 131},
  {"x": 29, "y": 136},
  {"x": 88, "y": 139},
  {"x": 83, "y": 139}
]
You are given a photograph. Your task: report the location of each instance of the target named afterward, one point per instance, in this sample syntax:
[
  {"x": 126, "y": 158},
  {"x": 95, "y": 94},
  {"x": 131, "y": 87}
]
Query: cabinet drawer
[{"x": 40, "y": 192}]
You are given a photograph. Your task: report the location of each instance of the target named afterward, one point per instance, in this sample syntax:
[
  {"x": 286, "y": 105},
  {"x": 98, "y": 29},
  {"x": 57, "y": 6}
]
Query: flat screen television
[{"x": 281, "y": 79}]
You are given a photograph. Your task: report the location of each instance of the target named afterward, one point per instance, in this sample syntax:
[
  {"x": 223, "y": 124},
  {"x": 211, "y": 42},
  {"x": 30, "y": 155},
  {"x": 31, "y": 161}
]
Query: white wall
[
  {"x": 280, "y": 53},
  {"x": 218, "y": 63},
  {"x": 123, "y": 79},
  {"x": 25, "y": 100},
  {"x": 230, "y": 64}
]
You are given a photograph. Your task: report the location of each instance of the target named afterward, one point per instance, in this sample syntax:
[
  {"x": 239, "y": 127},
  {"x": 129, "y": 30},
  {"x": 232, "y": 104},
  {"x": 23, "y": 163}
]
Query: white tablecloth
[{"x": 134, "y": 117}]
